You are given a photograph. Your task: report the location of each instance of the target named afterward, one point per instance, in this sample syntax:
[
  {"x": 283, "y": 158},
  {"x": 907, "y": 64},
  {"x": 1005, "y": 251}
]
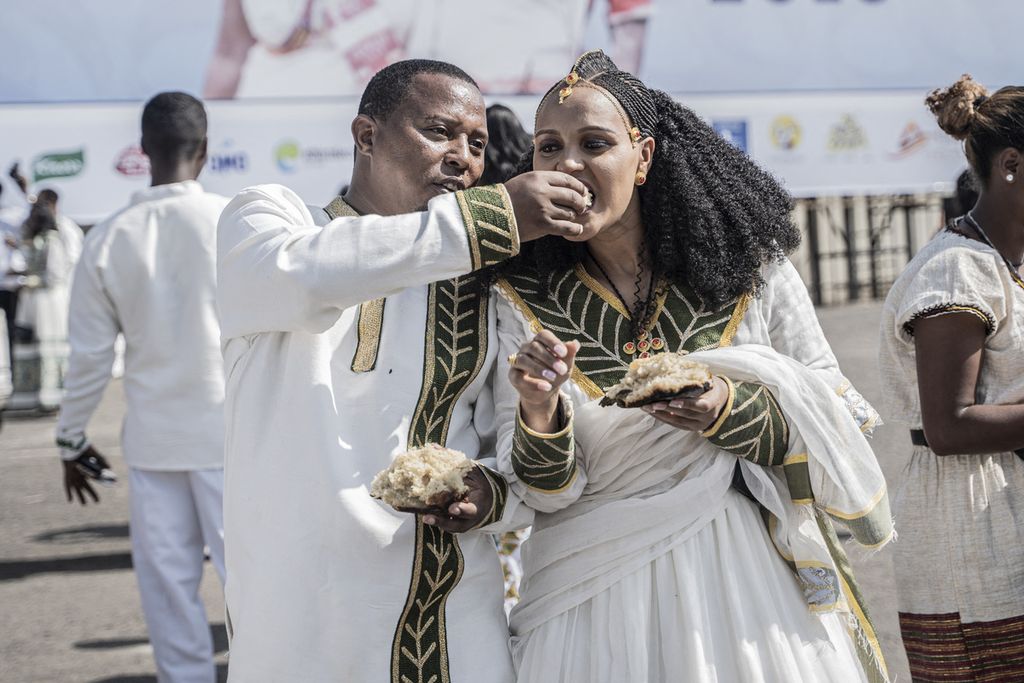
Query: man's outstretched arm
[{"x": 278, "y": 272}]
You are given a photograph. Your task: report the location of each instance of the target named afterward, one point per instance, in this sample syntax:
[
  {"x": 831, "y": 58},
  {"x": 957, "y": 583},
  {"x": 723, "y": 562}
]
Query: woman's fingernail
[
  {"x": 560, "y": 351},
  {"x": 429, "y": 519},
  {"x": 549, "y": 375},
  {"x": 676, "y": 404},
  {"x": 561, "y": 368},
  {"x": 543, "y": 386}
]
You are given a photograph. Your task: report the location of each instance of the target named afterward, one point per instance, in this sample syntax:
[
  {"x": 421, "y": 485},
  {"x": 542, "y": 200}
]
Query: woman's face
[{"x": 586, "y": 137}]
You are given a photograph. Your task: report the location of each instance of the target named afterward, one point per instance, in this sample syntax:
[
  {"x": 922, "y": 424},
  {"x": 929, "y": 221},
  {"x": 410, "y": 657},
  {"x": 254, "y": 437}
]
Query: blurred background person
[
  {"x": 13, "y": 212},
  {"x": 952, "y": 354},
  {"x": 964, "y": 197},
  {"x": 507, "y": 144},
  {"x": 148, "y": 271},
  {"x": 52, "y": 245}
]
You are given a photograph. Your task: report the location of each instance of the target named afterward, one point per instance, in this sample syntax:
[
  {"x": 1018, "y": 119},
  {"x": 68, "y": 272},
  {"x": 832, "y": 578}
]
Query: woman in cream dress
[
  {"x": 692, "y": 540},
  {"x": 953, "y": 357}
]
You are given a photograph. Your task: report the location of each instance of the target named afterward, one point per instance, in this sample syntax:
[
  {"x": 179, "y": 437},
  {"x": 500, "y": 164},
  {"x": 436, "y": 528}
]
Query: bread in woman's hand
[{"x": 661, "y": 377}]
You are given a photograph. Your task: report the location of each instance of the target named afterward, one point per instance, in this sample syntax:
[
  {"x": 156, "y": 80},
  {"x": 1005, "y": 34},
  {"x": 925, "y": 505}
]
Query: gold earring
[{"x": 641, "y": 178}]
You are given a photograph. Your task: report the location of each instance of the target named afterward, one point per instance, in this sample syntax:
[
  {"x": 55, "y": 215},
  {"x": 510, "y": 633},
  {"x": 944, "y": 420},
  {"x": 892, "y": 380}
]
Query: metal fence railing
[{"x": 854, "y": 248}]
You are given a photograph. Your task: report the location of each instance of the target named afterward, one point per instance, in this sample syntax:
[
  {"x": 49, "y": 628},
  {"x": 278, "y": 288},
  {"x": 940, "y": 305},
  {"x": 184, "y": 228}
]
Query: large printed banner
[
  {"x": 824, "y": 145},
  {"x": 115, "y": 50},
  {"x": 827, "y": 94}
]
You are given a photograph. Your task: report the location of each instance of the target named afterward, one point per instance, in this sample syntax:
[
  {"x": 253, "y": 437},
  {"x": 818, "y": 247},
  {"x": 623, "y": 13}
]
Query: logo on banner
[
  {"x": 289, "y": 154},
  {"x": 786, "y": 132},
  {"x": 58, "y": 165},
  {"x": 228, "y": 160},
  {"x": 732, "y": 131},
  {"x": 132, "y": 161},
  {"x": 847, "y": 136},
  {"x": 911, "y": 140}
]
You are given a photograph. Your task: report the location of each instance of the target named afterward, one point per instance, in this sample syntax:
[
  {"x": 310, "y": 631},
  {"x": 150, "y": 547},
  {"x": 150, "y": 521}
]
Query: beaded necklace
[{"x": 641, "y": 325}]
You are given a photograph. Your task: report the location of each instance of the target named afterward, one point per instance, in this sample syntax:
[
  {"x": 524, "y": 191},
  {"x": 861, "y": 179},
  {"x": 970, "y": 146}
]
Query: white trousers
[{"x": 173, "y": 515}]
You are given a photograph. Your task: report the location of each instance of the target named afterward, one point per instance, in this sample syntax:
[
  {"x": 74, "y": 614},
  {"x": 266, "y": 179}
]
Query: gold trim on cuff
[
  {"x": 713, "y": 429},
  {"x": 566, "y": 411}
]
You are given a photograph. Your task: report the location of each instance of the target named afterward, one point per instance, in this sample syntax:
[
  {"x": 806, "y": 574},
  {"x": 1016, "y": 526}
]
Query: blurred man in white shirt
[{"x": 149, "y": 272}]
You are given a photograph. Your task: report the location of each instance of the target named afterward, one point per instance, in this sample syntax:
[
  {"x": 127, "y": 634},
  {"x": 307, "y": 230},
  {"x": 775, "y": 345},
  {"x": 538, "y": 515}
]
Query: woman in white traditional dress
[
  {"x": 693, "y": 540},
  {"x": 953, "y": 359},
  {"x": 52, "y": 245}
]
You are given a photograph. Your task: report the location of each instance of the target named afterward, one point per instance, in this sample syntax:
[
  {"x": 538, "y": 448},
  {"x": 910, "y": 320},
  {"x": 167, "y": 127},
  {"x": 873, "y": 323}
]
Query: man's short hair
[
  {"x": 173, "y": 125},
  {"x": 389, "y": 86}
]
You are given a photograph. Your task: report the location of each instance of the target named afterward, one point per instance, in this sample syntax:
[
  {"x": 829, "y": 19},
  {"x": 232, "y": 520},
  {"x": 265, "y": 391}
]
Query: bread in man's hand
[{"x": 423, "y": 478}]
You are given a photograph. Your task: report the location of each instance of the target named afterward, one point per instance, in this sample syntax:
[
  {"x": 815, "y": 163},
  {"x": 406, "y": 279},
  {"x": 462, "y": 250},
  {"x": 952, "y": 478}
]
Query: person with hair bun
[
  {"x": 693, "y": 539},
  {"x": 952, "y": 354}
]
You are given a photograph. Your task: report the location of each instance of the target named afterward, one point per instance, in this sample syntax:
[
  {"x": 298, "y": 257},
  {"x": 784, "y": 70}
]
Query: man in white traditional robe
[
  {"x": 340, "y": 354},
  {"x": 149, "y": 272}
]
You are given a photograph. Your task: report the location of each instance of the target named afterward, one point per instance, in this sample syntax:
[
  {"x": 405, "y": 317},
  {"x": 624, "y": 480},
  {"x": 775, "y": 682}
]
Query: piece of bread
[
  {"x": 427, "y": 477},
  {"x": 660, "y": 377}
]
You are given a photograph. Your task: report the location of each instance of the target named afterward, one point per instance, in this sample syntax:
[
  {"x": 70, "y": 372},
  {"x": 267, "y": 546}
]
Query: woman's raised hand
[{"x": 538, "y": 369}]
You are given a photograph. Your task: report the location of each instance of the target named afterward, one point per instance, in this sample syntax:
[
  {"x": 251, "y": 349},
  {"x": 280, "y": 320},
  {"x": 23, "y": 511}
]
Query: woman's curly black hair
[{"x": 711, "y": 216}]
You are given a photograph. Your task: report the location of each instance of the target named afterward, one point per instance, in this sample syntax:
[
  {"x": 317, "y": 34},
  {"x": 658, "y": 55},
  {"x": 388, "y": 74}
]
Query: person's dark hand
[
  {"x": 90, "y": 464},
  {"x": 546, "y": 203},
  {"x": 465, "y": 514},
  {"x": 692, "y": 414},
  {"x": 77, "y": 483}
]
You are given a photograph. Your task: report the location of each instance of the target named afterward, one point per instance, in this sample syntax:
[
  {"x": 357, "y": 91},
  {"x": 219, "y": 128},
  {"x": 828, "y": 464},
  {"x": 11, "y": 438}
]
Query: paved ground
[{"x": 69, "y": 611}]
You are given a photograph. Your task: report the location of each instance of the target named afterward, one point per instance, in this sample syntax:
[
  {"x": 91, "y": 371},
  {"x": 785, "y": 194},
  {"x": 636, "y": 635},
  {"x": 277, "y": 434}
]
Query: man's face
[{"x": 431, "y": 144}]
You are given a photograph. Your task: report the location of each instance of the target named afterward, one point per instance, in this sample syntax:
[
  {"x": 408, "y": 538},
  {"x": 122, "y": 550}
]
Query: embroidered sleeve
[
  {"x": 545, "y": 462},
  {"x": 499, "y": 496},
  {"x": 957, "y": 280},
  {"x": 946, "y": 309},
  {"x": 864, "y": 414},
  {"x": 490, "y": 224},
  {"x": 751, "y": 425}
]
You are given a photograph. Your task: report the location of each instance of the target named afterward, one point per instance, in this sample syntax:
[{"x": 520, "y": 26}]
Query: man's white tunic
[{"x": 324, "y": 582}]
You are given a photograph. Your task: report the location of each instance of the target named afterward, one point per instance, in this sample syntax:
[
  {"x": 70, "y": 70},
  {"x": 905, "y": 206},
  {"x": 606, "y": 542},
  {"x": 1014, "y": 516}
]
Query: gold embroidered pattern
[
  {"x": 454, "y": 353},
  {"x": 490, "y": 224},
  {"x": 754, "y": 427},
  {"x": 545, "y": 462},
  {"x": 370, "y": 324},
  {"x": 369, "y": 327},
  {"x": 499, "y": 496},
  {"x": 576, "y": 306}
]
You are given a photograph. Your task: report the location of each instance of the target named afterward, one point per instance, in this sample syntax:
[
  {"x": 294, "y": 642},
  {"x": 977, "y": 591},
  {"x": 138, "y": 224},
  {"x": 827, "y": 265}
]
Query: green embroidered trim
[
  {"x": 70, "y": 445},
  {"x": 798, "y": 478},
  {"x": 755, "y": 428},
  {"x": 499, "y": 496},
  {"x": 869, "y": 651},
  {"x": 420, "y": 649},
  {"x": 370, "y": 325},
  {"x": 454, "y": 353},
  {"x": 490, "y": 224},
  {"x": 546, "y": 462},
  {"x": 573, "y": 310}
]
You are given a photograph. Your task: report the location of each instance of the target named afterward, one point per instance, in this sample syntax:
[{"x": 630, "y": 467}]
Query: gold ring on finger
[{"x": 512, "y": 358}]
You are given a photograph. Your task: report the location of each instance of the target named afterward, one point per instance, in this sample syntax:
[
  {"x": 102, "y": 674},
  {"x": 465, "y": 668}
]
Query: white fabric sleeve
[
  {"x": 278, "y": 272},
  {"x": 92, "y": 330},
  {"x": 794, "y": 331},
  {"x": 957, "y": 280},
  {"x": 558, "y": 459}
]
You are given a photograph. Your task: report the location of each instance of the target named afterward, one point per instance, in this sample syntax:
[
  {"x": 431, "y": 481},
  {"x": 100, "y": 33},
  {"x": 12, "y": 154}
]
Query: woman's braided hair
[{"x": 711, "y": 216}]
